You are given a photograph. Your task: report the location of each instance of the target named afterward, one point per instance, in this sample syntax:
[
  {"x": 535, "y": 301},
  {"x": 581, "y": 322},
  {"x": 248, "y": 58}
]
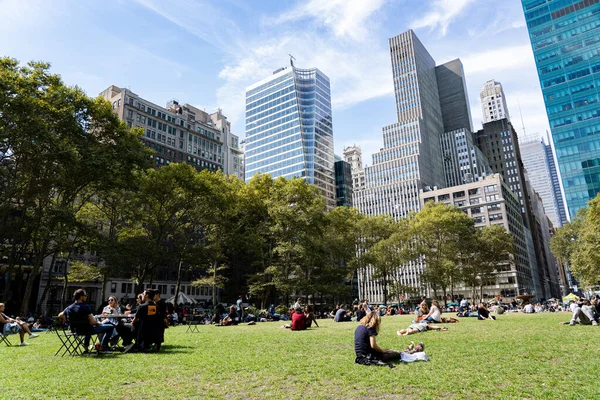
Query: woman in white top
[
  {"x": 111, "y": 309},
  {"x": 435, "y": 315}
]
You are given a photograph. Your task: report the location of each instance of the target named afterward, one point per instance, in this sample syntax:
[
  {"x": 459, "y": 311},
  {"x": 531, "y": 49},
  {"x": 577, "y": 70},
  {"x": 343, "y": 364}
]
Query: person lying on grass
[
  {"x": 419, "y": 327},
  {"x": 582, "y": 314},
  {"x": 368, "y": 351}
]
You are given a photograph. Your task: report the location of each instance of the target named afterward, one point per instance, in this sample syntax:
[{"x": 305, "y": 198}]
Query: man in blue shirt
[{"x": 82, "y": 322}]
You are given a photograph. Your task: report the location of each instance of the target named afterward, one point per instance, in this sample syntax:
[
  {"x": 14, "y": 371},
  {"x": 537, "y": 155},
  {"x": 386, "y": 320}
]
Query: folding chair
[
  {"x": 71, "y": 343},
  {"x": 192, "y": 325},
  {"x": 4, "y": 339}
]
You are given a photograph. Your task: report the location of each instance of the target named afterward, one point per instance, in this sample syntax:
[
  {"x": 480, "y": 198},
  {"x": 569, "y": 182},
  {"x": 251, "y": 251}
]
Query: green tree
[
  {"x": 484, "y": 255},
  {"x": 298, "y": 210},
  {"x": 339, "y": 239},
  {"x": 441, "y": 232},
  {"x": 390, "y": 258},
  {"x": 586, "y": 253},
  {"x": 57, "y": 147},
  {"x": 373, "y": 230},
  {"x": 564, "y": 242}
]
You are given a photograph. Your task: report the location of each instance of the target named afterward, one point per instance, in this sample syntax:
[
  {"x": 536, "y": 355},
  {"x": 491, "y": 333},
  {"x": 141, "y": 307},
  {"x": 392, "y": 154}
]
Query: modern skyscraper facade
[
  {"x": 493, "y": 102},
  {"x": 343, "y": 183},
  {"x": 539, "y": 162},
  {"x": 463, "y": 161},
  {"x": 410, "y": 159},
  {"x": 565, "y": 40},
  {"x": 289, "y": 129},
  {"x": 499, "y": 142}
]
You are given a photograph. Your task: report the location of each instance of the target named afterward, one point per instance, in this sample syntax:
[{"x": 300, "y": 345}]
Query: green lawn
[{"x": 518, "y": 356}]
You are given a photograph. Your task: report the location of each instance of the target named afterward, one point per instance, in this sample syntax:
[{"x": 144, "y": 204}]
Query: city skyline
[{"x": 207, "y": 53}]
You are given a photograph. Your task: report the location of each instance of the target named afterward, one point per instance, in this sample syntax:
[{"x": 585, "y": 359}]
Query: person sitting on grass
[
  {"x": 310, "y": 317},
  {"x": 9, "y": 325},
  {"x": 365, "y": 342},
  {"x": 298, "y": 320},
  {"x": 231, "y": 318},
  {"x": 483, "y": 313},
  {"x": 419, "y": 327},
  {"x": 82, "y": 322},
  {"x": 360, "y": 313},
  {"x": 368, "y": 352},
  {"x": 435, "y": 313},
  {"x": 421, "y": 311},
  {"x": 341, "y": 315}
]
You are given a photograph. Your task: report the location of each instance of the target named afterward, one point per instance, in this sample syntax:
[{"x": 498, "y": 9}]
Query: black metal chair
[
  {"x": 4, "y": 339},
  {"x": 71, "y": 343},
  {"x": 192, "y": 324}
]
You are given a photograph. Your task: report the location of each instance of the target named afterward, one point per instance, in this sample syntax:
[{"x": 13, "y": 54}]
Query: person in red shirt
[{"x": 298, "y": 320}]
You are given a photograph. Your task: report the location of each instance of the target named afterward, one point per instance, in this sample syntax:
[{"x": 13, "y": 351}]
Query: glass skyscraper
[
  {"x": 289, "y": 129},
  {"x": 565, "y": 38}
]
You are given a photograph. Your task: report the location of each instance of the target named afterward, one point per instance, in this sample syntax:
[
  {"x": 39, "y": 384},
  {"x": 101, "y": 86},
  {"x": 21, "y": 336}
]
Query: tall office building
[
  {"x": 464, "y": 162},
  {"x": 410, "y": 160},
  {"x": 289, "y": 129},
  {"x": 499, "y": 142},
  {"x": 538, "y": 160},
  {"x": 353, "y": 156},
  {"x": 565, "y": 40},
  {"x": 343, "y": 183},
  {"x": 493, "y": 102},
  {"x": 178, "y": 133},
  {"x": 489, "y": 201}
]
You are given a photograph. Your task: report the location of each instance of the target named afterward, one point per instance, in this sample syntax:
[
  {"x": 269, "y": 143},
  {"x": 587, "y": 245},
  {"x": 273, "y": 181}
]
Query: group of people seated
[
  {"x": 368, "y": 352},
  {"x": 481, "y": 311},
  {"x": 146, "y": 328},
  {"x": 9, "y": 326},
  {"x": 302, "y": 318}
]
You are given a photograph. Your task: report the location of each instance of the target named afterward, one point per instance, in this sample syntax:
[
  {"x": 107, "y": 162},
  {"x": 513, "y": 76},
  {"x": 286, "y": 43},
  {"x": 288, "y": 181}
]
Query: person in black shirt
[
  {"x": 161, "y": 308},
  {"x": 365, "y": 344},
  {"x": 147, "y": 322},
  {"x": 483, "y": 313},
  {"x": 360, "y": 313}
]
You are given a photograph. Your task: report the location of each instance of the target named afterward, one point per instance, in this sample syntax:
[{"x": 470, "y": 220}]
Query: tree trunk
[
  {"x": 48, "y": 284},
  {"x": 214, "y": 291},
  {"x": 103, "y": 290},
  {"x": 178, "y": 286}
]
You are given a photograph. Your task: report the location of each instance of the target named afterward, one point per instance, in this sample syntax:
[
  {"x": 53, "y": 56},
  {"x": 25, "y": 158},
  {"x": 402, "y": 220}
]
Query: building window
[{"x": 113, "y": 287}]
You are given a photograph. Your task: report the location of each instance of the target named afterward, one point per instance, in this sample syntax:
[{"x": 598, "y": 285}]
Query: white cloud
[
  {"x": 198, "y": 18},
  {"x": 357, "y": 73},
  {"x": 512, "y": 57},
  {"x": 346, "y": 18},
  {"x": 441, "y": 14}
]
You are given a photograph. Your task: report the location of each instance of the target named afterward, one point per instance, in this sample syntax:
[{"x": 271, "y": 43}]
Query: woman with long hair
[
  {"x": 435, "y": 313},
  {"x": 365, "y": 342}
]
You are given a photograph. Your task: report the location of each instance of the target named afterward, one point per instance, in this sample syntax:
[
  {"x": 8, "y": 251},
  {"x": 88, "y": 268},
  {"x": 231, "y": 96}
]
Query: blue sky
[{"x": 206, "y": 52}]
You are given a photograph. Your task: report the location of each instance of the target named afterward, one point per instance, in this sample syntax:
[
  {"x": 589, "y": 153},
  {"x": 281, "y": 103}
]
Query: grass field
[{"x": 516, "y": 357}]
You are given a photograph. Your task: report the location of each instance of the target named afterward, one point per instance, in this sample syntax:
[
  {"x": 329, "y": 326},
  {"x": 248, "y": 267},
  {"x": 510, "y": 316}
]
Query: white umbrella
[{"x": 182, "y": 299}]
